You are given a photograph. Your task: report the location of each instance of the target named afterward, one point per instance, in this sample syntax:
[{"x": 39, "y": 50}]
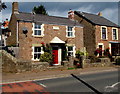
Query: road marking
[
  {"x": 112, "y": 87},
  {"x": 115, "y": 84},
  {"x": 43, "y": 85}
]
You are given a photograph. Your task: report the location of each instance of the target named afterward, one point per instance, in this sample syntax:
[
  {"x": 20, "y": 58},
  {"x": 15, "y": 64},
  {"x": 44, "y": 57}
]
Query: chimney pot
[
  {"x": 100, "y": 14},
  {"x": 71, "y": 14}
]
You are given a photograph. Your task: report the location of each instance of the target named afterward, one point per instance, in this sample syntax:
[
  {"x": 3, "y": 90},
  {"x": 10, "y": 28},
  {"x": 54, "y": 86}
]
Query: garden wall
[{"x": 103, "y": 62}]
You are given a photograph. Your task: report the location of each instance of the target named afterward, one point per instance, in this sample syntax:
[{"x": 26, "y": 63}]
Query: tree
[
  {"x": 40, "y": 10},
  {"x": 3, "y": 6}
]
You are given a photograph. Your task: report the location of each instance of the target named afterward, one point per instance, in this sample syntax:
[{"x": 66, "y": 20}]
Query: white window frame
[
  {"x": 103, "y": 48},
  {"x": 33, "y": 49},
  {"x": 116, "y": 34},
  {"x": 71, "y": 51},
  {"x": 42, "y": 30},
  {"x": 73, "y": 31},
  {"x": 106, "y": 33}
]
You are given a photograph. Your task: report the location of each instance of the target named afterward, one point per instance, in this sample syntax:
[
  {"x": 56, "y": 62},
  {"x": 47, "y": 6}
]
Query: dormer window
[{"x": 70, "y": 31}]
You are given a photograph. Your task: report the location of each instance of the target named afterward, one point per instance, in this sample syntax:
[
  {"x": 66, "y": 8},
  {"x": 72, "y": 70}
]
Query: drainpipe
[{"x": 17, "y": 43}]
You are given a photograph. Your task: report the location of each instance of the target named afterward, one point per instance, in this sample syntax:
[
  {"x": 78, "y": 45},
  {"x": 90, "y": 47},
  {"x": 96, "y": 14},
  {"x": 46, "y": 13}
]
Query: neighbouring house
[
  {"x": 99, "y": 32},
  {"x": 30, "y": 31}
]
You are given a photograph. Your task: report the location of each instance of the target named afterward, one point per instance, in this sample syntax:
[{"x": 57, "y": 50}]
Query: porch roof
[
  {"x": 56, "y": 40},
  {"x": 114, "y": 42}
]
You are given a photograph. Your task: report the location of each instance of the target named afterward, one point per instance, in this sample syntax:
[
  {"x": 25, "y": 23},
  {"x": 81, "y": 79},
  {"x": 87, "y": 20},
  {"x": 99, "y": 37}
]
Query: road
[{"x": 70, "y": 84}]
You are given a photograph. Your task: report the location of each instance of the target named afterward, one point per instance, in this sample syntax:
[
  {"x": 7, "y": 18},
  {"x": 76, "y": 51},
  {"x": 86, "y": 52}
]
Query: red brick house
[
  {"x": 29, "y": 31},
  {"x": 99, "y": 32}
]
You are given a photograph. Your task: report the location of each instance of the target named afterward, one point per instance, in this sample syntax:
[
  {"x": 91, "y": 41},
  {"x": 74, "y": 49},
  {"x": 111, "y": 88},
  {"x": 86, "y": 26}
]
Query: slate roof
[
  {"x": 95, "y": 19},
  {"x": 39, "y": 18}
]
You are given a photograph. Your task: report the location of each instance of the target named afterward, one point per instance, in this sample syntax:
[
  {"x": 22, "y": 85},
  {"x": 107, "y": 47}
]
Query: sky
[{"x": 109, "y": 9}]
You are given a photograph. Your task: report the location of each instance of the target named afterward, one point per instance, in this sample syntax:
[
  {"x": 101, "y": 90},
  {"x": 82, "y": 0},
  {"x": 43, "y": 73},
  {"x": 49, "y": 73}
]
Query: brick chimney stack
[
  {"x": 71, "y": 14},
  {"x": 100, "y": 14},
  {"x": 15, "y": 8}
]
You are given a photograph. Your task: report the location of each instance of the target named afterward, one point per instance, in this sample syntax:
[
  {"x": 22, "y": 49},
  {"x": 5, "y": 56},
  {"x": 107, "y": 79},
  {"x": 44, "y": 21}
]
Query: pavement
[{"x": 42, "y": 75}]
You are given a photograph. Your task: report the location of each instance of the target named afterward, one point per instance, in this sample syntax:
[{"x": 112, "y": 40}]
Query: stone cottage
[
  {"x": 30, "y": 31},
  {"x": 99, "y": 32}
]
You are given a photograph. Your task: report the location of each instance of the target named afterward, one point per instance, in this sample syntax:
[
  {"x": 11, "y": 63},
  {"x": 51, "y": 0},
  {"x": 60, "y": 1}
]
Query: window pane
[
  {"x": 37, "y": 49},
  {"x": 70, "y": 28},
  {"x": 70, "y": 48},
  {"x": 103, "y": 33},
  {"x": 37, "y": 32},
  {"x": 37, "y": 56},
  {"x": 70, "y": 53},
  {"x": 37, "y": 26},
  {"x": 114, "y": 34},
  {"x": 70, "y": 34}
]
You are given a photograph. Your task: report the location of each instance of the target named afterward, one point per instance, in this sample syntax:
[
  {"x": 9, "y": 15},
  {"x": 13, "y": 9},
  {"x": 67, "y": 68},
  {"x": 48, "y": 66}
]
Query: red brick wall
[
  {"x": 109, "y": 34},
  {"x": 25, "y": 43}
]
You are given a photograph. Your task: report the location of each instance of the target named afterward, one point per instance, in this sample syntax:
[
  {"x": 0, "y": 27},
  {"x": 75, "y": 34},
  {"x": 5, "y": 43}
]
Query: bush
[
  {"x": 46, "y": 57},
  {"x": 117, "y": 61}
]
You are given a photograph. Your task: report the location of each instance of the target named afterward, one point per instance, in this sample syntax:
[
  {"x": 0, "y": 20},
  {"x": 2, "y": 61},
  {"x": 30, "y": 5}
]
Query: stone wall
[
  {"x": 104, "y": 62},
  {"x": 8, "y": 62},
  {"x": 12, "y": 65}
]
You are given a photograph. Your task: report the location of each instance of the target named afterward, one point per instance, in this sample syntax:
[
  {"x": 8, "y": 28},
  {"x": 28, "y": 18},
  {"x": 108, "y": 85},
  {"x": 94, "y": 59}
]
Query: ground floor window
[
  {"x": 37, "y": 51},
  {"x": 70, "y": 50},
  {"x": 115, "y": 49}
]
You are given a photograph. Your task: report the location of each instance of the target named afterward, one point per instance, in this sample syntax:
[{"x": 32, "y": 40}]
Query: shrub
[
  {"x": 46, "y": 57},
  {"x": 117, "y": 61}
]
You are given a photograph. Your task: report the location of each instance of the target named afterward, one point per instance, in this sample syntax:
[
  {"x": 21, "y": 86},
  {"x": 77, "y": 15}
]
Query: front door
[
  {"x": 55, "y": 55},
  {"x": 100, "y": 50}
]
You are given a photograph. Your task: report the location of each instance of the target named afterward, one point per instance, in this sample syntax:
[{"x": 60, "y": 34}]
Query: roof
[
  {"x": 96, "y": 19},
  {"x": 46, "y": 19},
  {"x": 56, "y": 40}
]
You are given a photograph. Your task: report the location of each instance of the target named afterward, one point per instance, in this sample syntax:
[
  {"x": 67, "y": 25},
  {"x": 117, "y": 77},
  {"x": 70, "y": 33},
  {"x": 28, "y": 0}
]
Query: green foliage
[
  {"x": 79, "y": 52},
  {"x": 117, "y": 61},
  {"x": 46, "y": 57},
  {"x": 40, "y": 10}
]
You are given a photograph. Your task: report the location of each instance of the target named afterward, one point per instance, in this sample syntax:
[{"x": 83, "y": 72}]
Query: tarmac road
[
  {"x": 98, "y": 78},
  {"x": 69, "y": 84}
]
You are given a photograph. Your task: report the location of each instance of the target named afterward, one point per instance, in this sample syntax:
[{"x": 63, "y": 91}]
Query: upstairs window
[
  {"x": 104, "y": 33},
  {"x": 37, "y": 29},
  {"x": 70, "y": 32},
  {"x": 114, "y": 34}
]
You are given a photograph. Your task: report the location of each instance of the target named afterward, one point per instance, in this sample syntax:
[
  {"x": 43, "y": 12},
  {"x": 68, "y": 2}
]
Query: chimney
[
  {"x": 15, "y": 8},
  {"x": 71, "y": 14},
  {"x": 100, "y": 14}
]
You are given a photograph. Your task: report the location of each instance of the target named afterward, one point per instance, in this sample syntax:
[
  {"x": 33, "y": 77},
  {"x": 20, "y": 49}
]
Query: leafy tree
[
  {"x": 40, "y": 10},
  {"x": 3, "y": 6}
]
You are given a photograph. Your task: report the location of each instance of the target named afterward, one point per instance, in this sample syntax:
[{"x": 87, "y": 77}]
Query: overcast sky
[{"x": 109, "y": 9}]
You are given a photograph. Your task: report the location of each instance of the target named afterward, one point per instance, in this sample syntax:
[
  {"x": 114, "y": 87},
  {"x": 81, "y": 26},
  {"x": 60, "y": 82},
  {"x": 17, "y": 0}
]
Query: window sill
[
  {"x": 115, "y": 39},
  {"x": 38, "y": 35},
  {"x": 35, "y": 60},
  {"x": 104, "y": 39},
  {"x": 70, "y": 37}
]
